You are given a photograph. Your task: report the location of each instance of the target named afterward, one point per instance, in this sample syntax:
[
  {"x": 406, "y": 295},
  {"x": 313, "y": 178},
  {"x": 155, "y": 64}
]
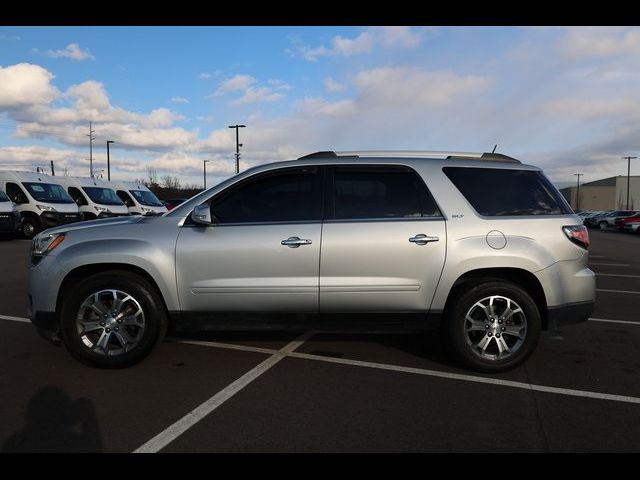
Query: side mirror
[
  {"x": 202, "y": 214},
  {"x": 19, "y": 199}
]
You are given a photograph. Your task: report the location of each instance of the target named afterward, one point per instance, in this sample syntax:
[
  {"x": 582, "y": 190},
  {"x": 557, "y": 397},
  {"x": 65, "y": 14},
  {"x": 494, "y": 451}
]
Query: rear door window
[
  {"x": 504, "y": 192},
  {"x": 379, "y": 192}
]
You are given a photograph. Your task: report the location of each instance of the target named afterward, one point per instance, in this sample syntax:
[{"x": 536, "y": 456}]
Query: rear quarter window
[{"x": 495, "y": 192}]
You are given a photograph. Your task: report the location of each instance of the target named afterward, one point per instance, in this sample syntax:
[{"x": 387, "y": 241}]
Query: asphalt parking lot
[{"x": 287, "y": 392}]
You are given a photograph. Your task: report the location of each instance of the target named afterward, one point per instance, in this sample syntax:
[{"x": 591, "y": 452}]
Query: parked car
[
  {"x": 632, "y": 227},
  {"x": 139, "y": 199},
  {"x": 422, "y": 237},
  {"x": 95, "y": 198},
  {"x": 9, "y": 216},
  {"x": 607, "y": 220},
  {"x": 621, "y": 221},
  {"x": 40, "y": 201},
  {"x": 174, "y": 202}
]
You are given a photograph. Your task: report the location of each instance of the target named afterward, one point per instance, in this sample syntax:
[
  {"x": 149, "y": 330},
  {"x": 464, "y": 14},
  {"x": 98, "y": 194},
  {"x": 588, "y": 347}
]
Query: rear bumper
[{"x": 569, "y": 314}]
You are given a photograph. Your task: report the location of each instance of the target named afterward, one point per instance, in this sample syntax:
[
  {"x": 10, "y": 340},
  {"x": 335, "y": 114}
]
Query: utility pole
[
  {"x": 204, "y": 166},
  {"x": 238, "y": 145},
  {"x": 91, "y": 139},
  {"x": 628, "y": 176},
  {"x": 109, "y": 160},
  {"x": 578, "y": 190}
]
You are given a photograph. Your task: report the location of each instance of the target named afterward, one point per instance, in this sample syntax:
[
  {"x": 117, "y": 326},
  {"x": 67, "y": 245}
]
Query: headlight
[
  {"x": 147, "y": 210},
  {"x": 46, "y": 208},
  {"x": 44, "y": 244},
  {"x": 102, "y": 210}
]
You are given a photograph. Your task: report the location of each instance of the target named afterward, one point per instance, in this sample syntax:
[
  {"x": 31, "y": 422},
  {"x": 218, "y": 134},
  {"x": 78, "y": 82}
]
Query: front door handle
[
  {"x": 422, "y": 239},
  {"x": 295, "y": 242}
]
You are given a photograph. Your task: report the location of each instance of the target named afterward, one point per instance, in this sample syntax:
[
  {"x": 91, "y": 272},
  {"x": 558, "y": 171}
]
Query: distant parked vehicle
[
  {"x": 174, "y": 202},
  {"x": 40, "y": 200},
  {"x": 622, "y": 221},
  {"x": 95, "y": 198},
  {"x": 9, "y": 216},
  {"x": 632, "y": 227},
  {"x": 608, "y": 220},
  {"x": 139, "y": 199}
]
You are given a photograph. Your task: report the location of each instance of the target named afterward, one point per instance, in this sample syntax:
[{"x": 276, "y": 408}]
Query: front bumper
[
  {"x": 9, "y": 222},
  {"x": 53, "y": 219},
  {"x": 569, "y": 314}
]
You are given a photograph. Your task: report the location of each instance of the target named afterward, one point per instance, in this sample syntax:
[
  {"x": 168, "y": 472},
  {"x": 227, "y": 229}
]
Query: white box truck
[
  {"x": 139, "y": 199},
  {"x": 95, "y": 198},
  {"x": 40, "y": 199}
]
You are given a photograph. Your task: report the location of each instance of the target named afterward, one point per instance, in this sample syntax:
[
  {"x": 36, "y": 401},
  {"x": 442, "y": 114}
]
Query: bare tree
[
  {"x": 170, "y": 181},
  {"x": 153, "y": 176}
]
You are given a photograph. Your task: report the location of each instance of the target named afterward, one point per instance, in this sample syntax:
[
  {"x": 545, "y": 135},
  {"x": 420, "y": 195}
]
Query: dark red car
[
  {"x": 173, "y": 202},
  {"x": 620, "y": 222}
]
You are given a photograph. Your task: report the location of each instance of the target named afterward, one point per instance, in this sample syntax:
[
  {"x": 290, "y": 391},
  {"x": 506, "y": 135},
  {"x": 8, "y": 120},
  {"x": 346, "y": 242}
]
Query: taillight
[{"x": 578, "y": 234}]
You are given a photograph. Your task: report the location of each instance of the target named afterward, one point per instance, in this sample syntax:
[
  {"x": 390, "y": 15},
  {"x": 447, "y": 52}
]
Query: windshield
[
  {"x": 3, "y": 197},
  {"x": 47, "y": 192},
  {"x": 144, "y": 197},
  {"x": 103, "y": 196}
]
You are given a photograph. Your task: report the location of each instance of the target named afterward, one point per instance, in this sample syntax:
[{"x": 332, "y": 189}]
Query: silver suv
[{"x": 478, "y": 244}]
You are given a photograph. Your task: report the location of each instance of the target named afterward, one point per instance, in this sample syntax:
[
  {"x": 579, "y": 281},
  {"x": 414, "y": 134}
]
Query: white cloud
[
  {"x": 584, "y": 42},
  {"x": 25, "y": 84},
  {"x": 365, "y": 42},
  {"x": 332, "y": 86},
  {"x": 235, "y": 83},
  {"x": 179, "y": 100},
  {"x": 257, "y": 94},
  {"x": 205, "y": 76},
  {"x": 410, "y": 87},
  {"x": 72, "y": 51}
]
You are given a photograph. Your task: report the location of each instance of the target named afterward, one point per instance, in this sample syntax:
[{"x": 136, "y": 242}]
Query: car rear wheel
[
  {"x": 603, "y": 225},
  {"x": 493, "y": 326},
  {"x": 112, "y": 319}
]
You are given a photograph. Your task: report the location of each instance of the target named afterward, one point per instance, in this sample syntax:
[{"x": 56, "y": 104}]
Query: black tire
[
  {"x": 455, "y": 325},
  {"x": 603, "y": 225},
  {"x": 30, "y": 227},
  {"x": 155, "y": 317}
]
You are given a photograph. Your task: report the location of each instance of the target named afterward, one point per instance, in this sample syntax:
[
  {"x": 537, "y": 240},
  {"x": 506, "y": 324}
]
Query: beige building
[{"x": 606, "y": 194}]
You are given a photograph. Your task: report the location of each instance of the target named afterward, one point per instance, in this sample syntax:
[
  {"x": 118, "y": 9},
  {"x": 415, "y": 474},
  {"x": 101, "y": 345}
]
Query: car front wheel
[
  {"x": 493, "y": 326},
  {"x": 112, "y": 319}
]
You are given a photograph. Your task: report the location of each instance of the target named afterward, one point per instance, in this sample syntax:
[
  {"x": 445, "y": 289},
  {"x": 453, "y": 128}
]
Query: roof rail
[{"x": 489, "y": 157}]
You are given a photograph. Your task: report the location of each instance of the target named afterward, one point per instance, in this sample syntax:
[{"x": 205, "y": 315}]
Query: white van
[
  {"x": 95, "y": 198},
  {"x": 139, "y": 199},
  {"x": 40, "y": 200},
  {"x": 9, "y": 216}
]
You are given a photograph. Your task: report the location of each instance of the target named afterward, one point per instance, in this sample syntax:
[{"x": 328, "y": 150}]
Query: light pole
[
  {"x": 628, "y": 176},
  {"x": 238, "y": 145},
  {"x": 578, "y": 190},
  {"x": 109, "y": 160},
  {"x": 204, "y": 166}
]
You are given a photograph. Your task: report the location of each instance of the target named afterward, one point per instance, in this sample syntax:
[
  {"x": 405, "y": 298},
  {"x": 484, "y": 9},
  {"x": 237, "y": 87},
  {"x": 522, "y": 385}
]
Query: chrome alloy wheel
[
  {"x": 495, "y": 328},
  {"x": 110, "y": 322}
]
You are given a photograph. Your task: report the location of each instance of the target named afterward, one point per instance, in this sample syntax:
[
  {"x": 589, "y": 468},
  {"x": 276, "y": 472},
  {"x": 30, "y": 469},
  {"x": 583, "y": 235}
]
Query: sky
[{"x": 564, "y": 99}]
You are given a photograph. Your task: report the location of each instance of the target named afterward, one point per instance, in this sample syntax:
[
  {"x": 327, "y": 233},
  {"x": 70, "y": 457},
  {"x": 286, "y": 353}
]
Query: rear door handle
[
  {"x": 295, "y": 242},
  {"x": 422, "y": 239}
]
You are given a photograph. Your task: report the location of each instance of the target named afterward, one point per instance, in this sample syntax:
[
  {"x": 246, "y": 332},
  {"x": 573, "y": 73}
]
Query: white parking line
[
  {"x": 14, "y": 319},
  {"x": 616, "y": 275},
  {"x": 604, "y": 320},
  {"x": 615, "y": 291},
  {"x": 168, "y": 435},
  {"x": 610, "y": 264}
]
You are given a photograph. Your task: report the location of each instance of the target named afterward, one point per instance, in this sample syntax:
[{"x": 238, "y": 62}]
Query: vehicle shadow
[{"x": 56, "y": 423}]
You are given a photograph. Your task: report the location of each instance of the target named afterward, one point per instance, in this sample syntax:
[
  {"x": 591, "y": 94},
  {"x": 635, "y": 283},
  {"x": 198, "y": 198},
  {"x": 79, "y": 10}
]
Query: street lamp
[
  {"x": 628, "y": 176},
  {"x": 204, "y": 166},
  {"x": 578, "y": 190},
  {"x": 238, "y": 145},
  {"x": 109, "y": 160}
]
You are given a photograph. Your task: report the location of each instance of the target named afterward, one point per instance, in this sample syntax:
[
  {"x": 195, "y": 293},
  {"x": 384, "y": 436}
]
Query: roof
[
  {"x": 24, "y": 176},
  {"x": 84, "y": 182}
]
